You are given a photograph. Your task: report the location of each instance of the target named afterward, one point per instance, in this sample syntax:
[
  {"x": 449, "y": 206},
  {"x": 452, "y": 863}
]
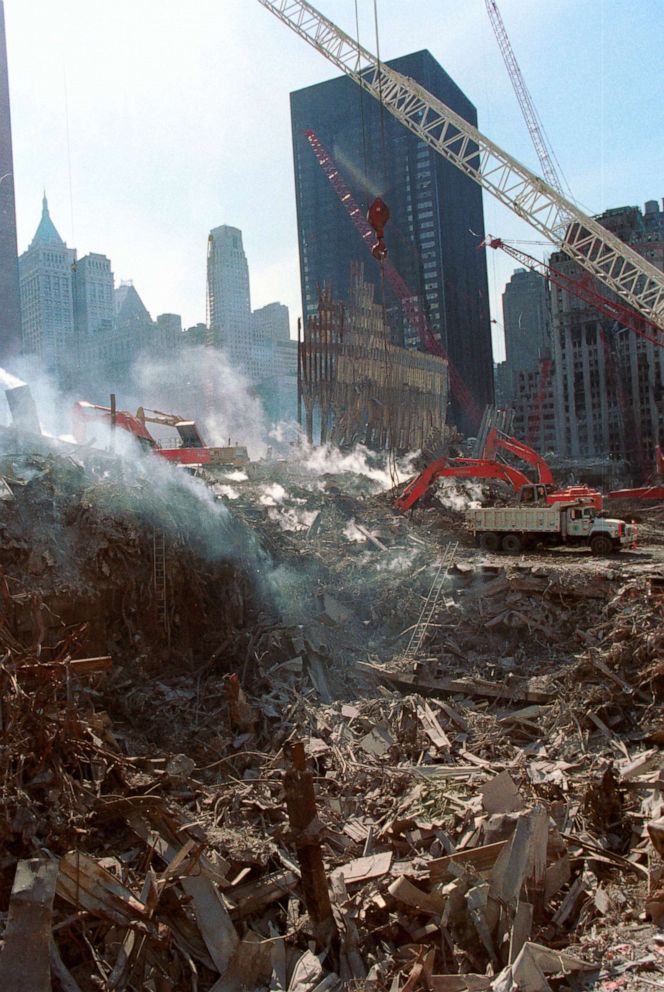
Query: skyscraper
[
  {"x": 527, "y": 323},
  {"x": 47, "y": 306},
  {"x": 10, "y": 308},
  {"x": 229, "y": 303},
  {"x": 436, "y": 218}
]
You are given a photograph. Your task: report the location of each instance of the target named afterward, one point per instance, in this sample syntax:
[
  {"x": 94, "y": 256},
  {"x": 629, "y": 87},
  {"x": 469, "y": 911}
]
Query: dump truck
[{"x": 517, "y": 528}]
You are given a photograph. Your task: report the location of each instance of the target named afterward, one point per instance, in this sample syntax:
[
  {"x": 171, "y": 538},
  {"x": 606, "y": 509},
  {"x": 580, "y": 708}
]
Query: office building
[
  {"x": 436, "y": 218},
  {"x": 228, "y": 297},
  {"x": 93, "y": 295},
  {"x": 526, "y": 321},
  {"x": 607, "y": 382},
  {"x": 47, "y": 305},
  {"x": 10, "y": 308}
]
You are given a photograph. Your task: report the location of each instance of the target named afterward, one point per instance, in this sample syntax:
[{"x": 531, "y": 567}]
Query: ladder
[
  {"x": 431, "y": 602},
  {"x": 159, "y": 575}
]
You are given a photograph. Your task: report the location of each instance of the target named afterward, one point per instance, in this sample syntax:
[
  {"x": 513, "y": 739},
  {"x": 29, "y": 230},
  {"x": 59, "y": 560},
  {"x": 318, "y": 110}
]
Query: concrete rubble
[{"x": 223, "y": 768}]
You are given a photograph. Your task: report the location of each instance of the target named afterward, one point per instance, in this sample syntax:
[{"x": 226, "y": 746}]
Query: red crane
[
  {"x": 414, "y": 312},
  {"x": 585, "y": 288}
]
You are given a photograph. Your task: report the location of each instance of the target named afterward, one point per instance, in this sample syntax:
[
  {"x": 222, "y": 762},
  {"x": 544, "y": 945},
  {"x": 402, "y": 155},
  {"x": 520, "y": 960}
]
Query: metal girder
[{"x": 601, "y": 253}]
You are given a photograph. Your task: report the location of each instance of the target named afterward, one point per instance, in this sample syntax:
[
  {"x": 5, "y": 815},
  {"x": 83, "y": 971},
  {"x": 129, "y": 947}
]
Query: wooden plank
[
  {"x": 469, "y": 687},
  {"x": 480, "y": 858},
  {"x": 78, "y": 666},
  {"x": 432, "y": 728},
  {"x": 25, "y": 962},
  {"x": 86, "y": 885}
]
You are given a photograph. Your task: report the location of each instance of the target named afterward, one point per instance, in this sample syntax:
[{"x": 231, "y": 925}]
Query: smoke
[
  {"x": 353, "y": 533},
  {"x": 291, "y": 518},
  {"x": 458, "y": 495},
  {"x": 371, "y": 466},
  {"x": 201, "y": 384},
  {"x": 273, "y": 494}
]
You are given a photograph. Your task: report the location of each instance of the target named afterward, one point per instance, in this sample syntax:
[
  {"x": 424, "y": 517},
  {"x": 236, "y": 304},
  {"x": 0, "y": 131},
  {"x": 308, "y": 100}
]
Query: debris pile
[{"x": 262, "y": 787}]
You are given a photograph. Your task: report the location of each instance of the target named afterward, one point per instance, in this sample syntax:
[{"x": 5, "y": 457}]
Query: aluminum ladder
[{"x": 431, "y": 602}]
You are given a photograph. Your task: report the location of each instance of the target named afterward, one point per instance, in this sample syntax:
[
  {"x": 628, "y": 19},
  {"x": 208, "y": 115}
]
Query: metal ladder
[
  {"x": 159, "y": 575},
  {"x": 431, "y": 602}
]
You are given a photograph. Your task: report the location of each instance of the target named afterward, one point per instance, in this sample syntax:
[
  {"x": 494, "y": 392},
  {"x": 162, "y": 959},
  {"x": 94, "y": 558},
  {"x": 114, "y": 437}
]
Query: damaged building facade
[
  {"x": 357, "y": 386},
  {"x": 598, "y": 393}
]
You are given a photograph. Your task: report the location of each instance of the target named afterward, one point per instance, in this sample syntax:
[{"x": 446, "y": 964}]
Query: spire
[{"x": 46, "y": 233}]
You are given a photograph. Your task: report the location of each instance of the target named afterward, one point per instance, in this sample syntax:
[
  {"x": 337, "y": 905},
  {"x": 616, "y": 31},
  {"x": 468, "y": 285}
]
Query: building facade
[
  {"x": 601, "y": 396},
  {"x": 436, "y": 219},
  {"x": 228, "y": 295},
  {"x": 47, "y": 303},
  {"x": 526, "y": 322},
  {"x": 10, "y": 307}
]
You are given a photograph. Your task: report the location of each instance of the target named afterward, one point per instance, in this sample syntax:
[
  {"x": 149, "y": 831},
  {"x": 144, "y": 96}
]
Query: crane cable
[{"x": 392, "y": 458}]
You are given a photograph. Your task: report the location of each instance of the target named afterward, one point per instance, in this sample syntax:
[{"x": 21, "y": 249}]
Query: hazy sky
[{"x": 150, "y": 121}]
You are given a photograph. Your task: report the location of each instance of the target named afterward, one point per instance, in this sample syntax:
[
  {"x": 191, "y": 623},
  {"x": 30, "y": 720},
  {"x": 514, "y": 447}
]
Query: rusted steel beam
[{"x": 306, "y": 833}]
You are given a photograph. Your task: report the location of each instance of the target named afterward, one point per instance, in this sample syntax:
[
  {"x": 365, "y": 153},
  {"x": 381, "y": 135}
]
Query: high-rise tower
[
  {"x": 436, "y": 218},
  {"x": 47, "y": 304},
  {"x": 10, "y": 308},
  {"x": 229, "y": 304}
]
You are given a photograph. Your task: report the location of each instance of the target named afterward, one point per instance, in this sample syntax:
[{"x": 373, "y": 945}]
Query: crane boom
[
  {"x": 533, "y": 123},
  {"x": 601, "y": 253},
  {"x": 585, "y": 290}
]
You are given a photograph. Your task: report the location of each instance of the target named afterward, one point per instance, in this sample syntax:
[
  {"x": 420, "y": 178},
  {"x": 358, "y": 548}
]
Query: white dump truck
[{"x": 516, "y": 528}]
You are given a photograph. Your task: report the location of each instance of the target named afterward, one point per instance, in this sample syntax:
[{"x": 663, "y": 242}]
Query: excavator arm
[
  {"x": 458, "y": 468},
  {"x": 495, "y": 439},
  {"x": 83, "y": 412}
]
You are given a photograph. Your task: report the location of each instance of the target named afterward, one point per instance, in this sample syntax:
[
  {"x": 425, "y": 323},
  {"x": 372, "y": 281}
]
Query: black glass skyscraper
[
  {"x": 436, "y": 221},
  {"x": 10, "y": 308}
]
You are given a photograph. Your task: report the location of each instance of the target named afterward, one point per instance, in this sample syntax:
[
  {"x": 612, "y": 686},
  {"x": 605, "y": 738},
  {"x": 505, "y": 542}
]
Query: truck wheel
[
  {"x": 489, "y": 541},
  {"x": 601, "y": 544},
  {"x": 512, "y": 544}
]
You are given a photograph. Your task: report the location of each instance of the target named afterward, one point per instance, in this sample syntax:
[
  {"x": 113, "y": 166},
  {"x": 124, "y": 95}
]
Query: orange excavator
[
  {"x": 543, "y": 490},
  {"x": 191, "y": 451},
  {"x": 496, "y": 441}
]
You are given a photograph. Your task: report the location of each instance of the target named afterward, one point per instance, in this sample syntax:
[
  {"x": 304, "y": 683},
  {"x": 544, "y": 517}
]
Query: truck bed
[{"x": 535, "y": 519}]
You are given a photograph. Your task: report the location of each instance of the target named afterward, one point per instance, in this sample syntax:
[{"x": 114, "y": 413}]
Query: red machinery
[
  {"x": 193, "y": 450},
  {"x": 487, "y": 467},
  {"x": 496, "y": 439},
  {"x": 462, "y": 468},
  {"x": 648, "y": 493}
]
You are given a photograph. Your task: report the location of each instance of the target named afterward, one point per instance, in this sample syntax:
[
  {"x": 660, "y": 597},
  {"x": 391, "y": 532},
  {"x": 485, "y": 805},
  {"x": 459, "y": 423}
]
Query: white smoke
[
  {"x": 372, "y": 466},
  {"x": 202, "y": 384},
  {"x": 273, "y": 494},
  {"x": 353, "y": 533},
  {"x": 459, "y": 495},
  {"x": 292, "y": 519}
]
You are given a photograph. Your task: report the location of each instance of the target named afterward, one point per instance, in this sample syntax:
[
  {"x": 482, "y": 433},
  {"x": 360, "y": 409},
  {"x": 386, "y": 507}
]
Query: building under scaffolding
[{"x": 356, "y": 386}]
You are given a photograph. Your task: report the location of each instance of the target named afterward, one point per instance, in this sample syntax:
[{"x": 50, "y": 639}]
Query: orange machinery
[{"x": 192, "y": 451}]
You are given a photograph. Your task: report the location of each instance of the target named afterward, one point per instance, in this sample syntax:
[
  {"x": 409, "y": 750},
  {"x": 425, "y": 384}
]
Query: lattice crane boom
[
  {"x": 584, "y": 289},
  {"x": 533, "y": 122},
  {"x": 598, "y": 251}
]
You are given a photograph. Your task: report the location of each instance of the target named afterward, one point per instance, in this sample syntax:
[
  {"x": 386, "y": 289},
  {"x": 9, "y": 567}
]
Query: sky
[{"x": 148, "y": 122}]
